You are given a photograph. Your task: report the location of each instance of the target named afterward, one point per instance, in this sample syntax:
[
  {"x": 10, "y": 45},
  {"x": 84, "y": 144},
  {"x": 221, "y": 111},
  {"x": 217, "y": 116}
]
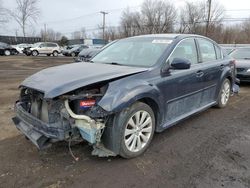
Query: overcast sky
[{"x": 67, "y": 16}]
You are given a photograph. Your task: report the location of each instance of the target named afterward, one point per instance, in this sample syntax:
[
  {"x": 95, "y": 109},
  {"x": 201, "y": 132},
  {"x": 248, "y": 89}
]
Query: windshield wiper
[{"x": 247, "y": 58}]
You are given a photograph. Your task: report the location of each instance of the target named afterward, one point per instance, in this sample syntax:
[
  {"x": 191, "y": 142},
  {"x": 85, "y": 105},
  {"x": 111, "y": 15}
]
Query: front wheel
[
  {"x": 137, "y": 126},
  {"x": 7, "y": 52},
  {"x": 34, "y": 53},
  {"x": 224, "y": 94}
]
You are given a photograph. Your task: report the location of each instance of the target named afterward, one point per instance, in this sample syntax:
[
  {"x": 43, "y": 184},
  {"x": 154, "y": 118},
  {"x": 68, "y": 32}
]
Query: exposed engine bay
[{"x": 72, "y": 116}]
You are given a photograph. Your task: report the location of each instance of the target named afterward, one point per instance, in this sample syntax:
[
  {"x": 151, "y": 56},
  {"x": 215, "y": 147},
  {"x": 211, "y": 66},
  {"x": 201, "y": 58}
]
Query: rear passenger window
[
  {"x": 51, "y": 45},
  {"x": 186, "y": 49},
  {"x": 218, "y": 52},
  {"x": 207, "y": 50}
]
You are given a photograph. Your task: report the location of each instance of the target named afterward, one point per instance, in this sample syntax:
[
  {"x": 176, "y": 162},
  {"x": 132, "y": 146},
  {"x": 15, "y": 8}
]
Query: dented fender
[{"x": 117, "y": 98}]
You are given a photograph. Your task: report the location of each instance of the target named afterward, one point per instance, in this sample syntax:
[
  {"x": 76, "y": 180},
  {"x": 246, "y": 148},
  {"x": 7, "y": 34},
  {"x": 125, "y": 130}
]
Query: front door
[{"x": 182, "y": 88}]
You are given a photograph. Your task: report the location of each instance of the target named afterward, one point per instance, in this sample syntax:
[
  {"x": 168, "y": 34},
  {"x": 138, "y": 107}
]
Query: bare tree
[
  {"x": 216, "y": 15},
  {"x": 246, "y": 29},
  {"x": 194, "y": 19},
  {"x": 191, "y": 17},
  {"x": 131, "y": 23},
  {"x": 156, "y": 16},
  {"x": 25, "y": 12}
]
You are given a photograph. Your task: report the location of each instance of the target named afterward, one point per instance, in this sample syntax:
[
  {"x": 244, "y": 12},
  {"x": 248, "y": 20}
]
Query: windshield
[
  {"x": 138, "y": 51},
  {"x": 243, "y": 53}
]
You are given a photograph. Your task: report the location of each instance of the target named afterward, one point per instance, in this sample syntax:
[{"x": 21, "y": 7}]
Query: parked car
[
  {"x": 242, "y": 56},
  {"x": 87, "y": 54},
  {"x": 6, "y": 49},
  {"x": 131, "y": 89},
  {"x": 228, "y": 50},
  {"x": 72, "y": 46},
  {"x": 20, "y": 47},
  {"x": 74, "y": 51},
  {"x": 48, "y": 48}
]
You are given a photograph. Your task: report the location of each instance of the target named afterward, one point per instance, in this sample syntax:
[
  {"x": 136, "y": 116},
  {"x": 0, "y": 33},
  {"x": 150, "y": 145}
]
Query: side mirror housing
[{"x": 180, "y": 63}]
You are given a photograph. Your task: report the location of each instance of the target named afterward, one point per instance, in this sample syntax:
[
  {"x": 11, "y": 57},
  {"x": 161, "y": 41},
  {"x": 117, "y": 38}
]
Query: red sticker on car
[{"x": 87, "y": 103}]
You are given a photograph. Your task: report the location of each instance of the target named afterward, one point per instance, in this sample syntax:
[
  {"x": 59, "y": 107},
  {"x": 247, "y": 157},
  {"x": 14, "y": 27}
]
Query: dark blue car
[{"x": 131, "y": 89}]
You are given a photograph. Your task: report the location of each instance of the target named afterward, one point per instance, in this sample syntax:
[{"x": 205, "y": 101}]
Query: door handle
[{"x": 199, "y": 73}]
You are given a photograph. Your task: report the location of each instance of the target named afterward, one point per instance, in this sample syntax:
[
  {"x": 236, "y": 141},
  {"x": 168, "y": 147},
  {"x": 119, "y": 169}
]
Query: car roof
[{"x": 169, "y": 35}]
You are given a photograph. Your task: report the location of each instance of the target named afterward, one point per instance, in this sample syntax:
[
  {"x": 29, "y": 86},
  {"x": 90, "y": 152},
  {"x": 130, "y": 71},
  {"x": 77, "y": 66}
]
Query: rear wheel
[
  {"x": 34, "y": 53},
  {"x": 7, "y": 52},
  {"x": 224, "y": 93},
  {"x": 55, "y": 53},
  {"x": 137, "y": 126}
]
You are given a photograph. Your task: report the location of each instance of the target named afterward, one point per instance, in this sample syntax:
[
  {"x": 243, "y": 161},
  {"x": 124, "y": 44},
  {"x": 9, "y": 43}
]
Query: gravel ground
[{"x": 211, "y": 149}]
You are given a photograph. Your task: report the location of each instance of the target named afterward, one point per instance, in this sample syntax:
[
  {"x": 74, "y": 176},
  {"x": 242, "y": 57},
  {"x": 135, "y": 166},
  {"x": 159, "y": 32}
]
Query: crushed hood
[{"x": 59, "y": 80}]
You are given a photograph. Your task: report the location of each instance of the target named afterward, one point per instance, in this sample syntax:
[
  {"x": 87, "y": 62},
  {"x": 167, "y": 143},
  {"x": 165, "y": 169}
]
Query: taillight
[{"x": 234, "y": 62}]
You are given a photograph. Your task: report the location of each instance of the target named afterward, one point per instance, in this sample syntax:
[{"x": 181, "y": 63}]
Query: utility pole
[
  {"x": 208, "y": 16},
  {"x": 45, "y": 32},
  {"x": 103, "y": 24}
]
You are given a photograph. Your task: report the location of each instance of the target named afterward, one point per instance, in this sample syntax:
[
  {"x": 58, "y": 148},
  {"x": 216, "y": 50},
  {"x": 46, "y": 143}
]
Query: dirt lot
[{"x": 211, "y": 149}]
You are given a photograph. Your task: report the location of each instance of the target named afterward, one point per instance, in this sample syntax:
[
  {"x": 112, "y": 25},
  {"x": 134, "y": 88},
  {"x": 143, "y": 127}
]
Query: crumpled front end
[{"x": 72, "y": 116}]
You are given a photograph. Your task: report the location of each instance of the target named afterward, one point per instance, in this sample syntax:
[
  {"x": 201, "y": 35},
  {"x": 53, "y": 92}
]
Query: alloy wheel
[
  {"x": 225, "y": 93},
  {"x": 138, "y": 131}
]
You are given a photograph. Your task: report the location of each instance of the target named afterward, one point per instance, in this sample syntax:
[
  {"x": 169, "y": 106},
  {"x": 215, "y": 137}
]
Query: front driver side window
[{"x": 186, "y": 49}]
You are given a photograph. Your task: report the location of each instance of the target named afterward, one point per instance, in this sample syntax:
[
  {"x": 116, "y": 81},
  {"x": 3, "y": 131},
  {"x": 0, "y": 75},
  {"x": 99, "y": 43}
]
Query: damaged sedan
[{"x": 131, "y": 89}]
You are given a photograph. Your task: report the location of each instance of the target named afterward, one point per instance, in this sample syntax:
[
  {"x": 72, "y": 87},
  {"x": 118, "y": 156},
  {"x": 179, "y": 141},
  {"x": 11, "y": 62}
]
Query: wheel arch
[{"x": 154, "y": 106}]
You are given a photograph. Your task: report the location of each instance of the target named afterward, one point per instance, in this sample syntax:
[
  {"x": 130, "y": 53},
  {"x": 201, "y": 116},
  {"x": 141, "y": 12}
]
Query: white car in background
[
  {"x": 48, "y": 48},
  {"x": 20, "y": 47}
]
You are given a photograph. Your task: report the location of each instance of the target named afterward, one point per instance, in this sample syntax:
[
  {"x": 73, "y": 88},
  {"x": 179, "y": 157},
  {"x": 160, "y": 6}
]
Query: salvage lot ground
[{"x": 211, "y": 149}]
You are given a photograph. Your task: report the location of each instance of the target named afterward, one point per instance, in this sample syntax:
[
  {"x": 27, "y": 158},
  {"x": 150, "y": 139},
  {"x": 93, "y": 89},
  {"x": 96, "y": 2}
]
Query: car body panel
[
  {"x": 242, "y": 63},
  {"x": 58, "y": 80},
  {"x": 243, "y": 70}
]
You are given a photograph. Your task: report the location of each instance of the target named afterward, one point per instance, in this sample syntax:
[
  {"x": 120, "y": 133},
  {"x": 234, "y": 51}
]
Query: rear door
[
  {"x": 212, "y": 66},
  {"x": 42, "y": 48},
  {"x": 50, "y": 48}
]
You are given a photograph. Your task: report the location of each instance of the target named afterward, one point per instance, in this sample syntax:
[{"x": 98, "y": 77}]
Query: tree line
[
  {"x": 154, "y": 16},
  {"x": 159, "y": 16}
]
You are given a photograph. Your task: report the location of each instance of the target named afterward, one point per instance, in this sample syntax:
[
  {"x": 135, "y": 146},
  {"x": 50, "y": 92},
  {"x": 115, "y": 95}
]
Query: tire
[
  {"x": 34, "y": 53},
  {"x": 73, "y": 54},
  {"x": 133, "y": 138},
  {"x": 7, "y": 52},
  {"x": 55, "y": 53},
  {"x": 224, "y": 94}
]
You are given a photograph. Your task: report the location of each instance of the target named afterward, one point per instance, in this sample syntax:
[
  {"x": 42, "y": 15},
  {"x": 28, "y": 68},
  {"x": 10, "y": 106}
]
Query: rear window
[
  {"x": 51, "y": 45},
  {"x": 207, "y": 50}
]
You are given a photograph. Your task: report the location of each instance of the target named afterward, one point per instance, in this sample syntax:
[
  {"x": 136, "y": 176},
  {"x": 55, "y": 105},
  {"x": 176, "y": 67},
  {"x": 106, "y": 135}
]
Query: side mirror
[
  {"x": 180, "y": 63},
  {"x": 165, "y": 69}
]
